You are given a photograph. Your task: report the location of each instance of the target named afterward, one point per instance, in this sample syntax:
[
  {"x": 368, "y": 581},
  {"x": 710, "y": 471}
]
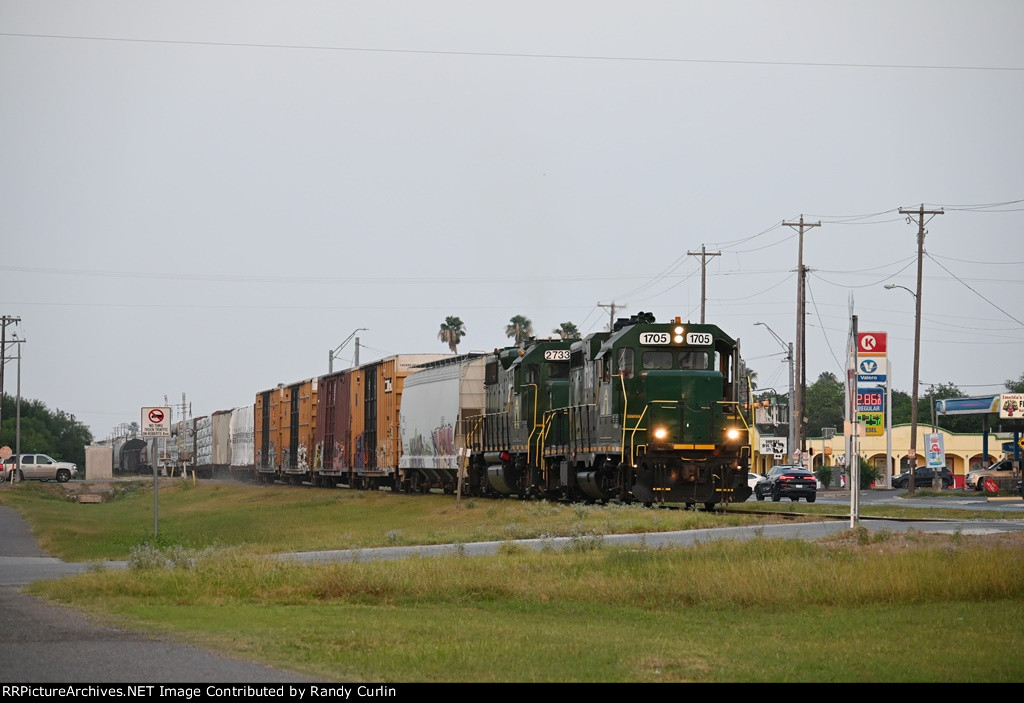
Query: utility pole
[
  {"x": 789, "y": 359},
  {"x": 920, "y": 212},
  {"x": 703, "y": 280},
  {"x": 801, "y": 335},
  {"x": 333, "y": 353},
  {"x": 4, "y": 321},
  {"x": 612, "y": 307}
]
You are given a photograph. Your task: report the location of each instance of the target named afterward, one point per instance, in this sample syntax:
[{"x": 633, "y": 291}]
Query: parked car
[
  {"x": 975, "y": 479},
  {"x": 923, "y": 477},
  {"x": 40, "y": 467},
  {"x": 753, "y": 479},
  {"x": 793, "y": 482}
]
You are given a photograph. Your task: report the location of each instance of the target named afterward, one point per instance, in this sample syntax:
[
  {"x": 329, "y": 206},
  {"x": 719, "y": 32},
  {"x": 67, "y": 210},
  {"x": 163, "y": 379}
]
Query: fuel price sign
[{"x": 870, "y": 400}]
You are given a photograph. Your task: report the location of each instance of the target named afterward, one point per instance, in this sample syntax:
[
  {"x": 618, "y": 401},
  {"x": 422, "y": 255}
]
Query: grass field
[{"x": 859, "y": 607}]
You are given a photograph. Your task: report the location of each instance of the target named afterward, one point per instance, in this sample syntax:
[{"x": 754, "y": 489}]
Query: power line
[
  {"x": 976, "y": 292},
  {"x": 514, "y": 55}
]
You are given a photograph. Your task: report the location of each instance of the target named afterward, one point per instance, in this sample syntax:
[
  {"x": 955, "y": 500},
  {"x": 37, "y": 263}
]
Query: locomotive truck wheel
[{"x": 63, "y": 476}]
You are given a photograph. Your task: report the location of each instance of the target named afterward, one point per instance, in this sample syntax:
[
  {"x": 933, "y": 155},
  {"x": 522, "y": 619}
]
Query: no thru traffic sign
[{"x": 156, "y": 422}]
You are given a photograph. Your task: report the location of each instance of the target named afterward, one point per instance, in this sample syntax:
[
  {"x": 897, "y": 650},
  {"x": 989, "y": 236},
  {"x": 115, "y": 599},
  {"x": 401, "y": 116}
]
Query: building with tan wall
[{"x": 963, "y": 451}]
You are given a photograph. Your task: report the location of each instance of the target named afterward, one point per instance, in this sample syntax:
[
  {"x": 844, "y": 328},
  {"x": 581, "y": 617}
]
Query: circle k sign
[{"x": 871, "y": 343}]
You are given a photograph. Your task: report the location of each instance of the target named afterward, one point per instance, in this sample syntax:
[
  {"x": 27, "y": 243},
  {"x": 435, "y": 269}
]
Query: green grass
[
  {"x": 858, "y": 607},
  {"x": 275, "y": 519}
]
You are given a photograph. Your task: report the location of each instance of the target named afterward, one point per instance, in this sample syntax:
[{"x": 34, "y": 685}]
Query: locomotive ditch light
[
  {"x": 660, "y": 433},
  {"x": 732, "y": 433}
]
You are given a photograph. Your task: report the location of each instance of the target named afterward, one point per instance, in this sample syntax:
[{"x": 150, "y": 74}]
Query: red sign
[{"x": 871, "y": 343}]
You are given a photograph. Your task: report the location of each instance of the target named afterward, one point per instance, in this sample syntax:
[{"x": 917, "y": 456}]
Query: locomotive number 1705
[{"x": 695, "y": 339}]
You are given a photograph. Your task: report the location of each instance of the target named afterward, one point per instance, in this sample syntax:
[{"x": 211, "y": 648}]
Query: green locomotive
[{"x": 648, "y": 412}]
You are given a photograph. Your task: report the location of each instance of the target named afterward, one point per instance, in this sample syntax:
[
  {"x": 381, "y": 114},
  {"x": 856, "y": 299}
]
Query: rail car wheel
[{"x": 709, "y": 506}]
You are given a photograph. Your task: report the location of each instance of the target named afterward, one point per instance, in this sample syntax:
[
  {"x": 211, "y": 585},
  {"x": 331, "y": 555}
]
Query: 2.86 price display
[{"x": 870, "y": 400}]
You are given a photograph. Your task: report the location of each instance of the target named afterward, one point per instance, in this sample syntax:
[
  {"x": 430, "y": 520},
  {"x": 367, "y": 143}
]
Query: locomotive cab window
[
  {"x": 657, "y": 360},
  {"x": 625, "y": 362},
  {"x": 697, "y": 360},
  {"x": 533, "y": 374},
  {"x": 556, "y": 371}
]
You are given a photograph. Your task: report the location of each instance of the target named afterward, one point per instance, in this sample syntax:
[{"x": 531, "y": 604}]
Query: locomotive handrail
[
  {"x": 632, "y": 436},
  {"x": 541, "y": 438},
  {"x": 625, "y": 418},
  {"x": 533, "y": 425}
]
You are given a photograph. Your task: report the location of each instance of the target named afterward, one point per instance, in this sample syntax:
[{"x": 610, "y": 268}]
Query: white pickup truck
[{"x": 40, "y": 467}]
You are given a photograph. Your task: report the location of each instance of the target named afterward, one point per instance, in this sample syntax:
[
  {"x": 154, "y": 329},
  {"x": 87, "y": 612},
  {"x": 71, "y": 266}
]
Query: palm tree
[
  {"x": 519, "y": 328},
  {"x": 452, "y": 332},
  {"x": 567, "y": 330}
]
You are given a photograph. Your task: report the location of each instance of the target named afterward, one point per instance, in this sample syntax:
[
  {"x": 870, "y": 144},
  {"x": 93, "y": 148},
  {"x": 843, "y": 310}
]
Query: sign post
[
  {"x": 873, "y": 400},
  {"x": 156, "y": 422}
]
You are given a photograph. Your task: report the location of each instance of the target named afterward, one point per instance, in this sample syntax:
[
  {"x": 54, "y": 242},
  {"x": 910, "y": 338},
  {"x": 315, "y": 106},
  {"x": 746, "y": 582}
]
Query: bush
[
  {"x": 869, "y": 473},
  {"x": 824, "y": 474}
]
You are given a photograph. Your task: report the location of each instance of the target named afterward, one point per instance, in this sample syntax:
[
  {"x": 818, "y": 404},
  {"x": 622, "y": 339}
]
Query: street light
[
  {"x": 789, "y": 358},
  {"x": 913, "y": 397},
  {"x": 332, "y": 355}
]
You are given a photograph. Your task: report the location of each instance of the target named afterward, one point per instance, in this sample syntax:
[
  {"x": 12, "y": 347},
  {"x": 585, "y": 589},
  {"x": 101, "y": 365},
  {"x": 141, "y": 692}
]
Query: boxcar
[
  {"x": 375, "y": 402},
  {"x": 284, "y": 426}
]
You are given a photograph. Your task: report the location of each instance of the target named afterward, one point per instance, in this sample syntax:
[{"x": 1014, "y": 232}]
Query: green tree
[
  {"x": 452, "y": 332},
  {"x": 519, "y": 328},
  {"x": 567, "y": 330},
  {"x": 824, "y": 403},
  {"x": 1015, "y": 386},
  {"x": 55, "y": 433},
  {"x": 953, "y": 423}
]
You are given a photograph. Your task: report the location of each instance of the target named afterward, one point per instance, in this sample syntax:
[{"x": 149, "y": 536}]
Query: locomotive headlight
[
  {"x": 660, "y": 433},
  {"x": 677, "y": 334}
]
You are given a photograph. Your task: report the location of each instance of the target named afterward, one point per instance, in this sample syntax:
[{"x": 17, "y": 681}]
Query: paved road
[
  {"x": 44, "y": 643},
  {"x": 53, "y": 644}
]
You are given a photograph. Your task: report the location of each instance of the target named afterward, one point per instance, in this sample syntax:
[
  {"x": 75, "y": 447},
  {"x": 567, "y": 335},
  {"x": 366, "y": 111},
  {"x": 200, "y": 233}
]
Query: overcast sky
[{"x": 207, "y": 197}]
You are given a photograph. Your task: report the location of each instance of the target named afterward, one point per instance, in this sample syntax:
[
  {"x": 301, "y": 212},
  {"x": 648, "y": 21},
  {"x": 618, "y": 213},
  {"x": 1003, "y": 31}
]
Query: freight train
[{"x": 648, "y": 412}]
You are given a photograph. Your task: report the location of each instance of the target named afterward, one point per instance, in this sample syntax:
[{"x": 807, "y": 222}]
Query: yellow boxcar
[
  {"x": 376, "y": 397},
  {"x": 284, "y": 421}
]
